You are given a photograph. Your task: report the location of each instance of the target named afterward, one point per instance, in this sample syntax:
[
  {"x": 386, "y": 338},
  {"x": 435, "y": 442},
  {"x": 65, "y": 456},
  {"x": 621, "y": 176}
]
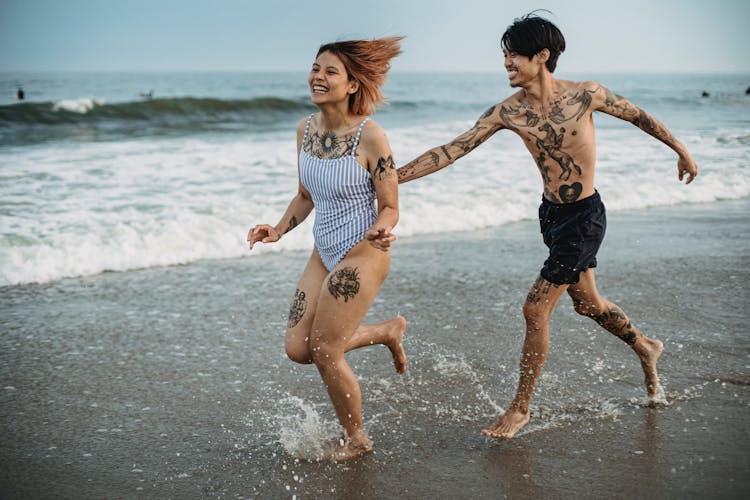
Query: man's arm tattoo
[
  {"x": 419, "y": 167},
  {"x": 430, "y": 161},
  {"x": 488, "y": 113},
  {"x": 618, "y": 106},
  {"x": 621, "y": 108},
  {"x": 653, "y": 127},
  {"x": 464, "y": 141}
]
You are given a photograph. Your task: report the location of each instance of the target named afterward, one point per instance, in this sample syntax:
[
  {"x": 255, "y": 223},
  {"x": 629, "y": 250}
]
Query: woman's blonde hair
[{"x": 367, "y": 62}]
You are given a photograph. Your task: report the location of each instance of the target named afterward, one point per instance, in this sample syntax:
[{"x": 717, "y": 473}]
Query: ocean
[
  {"x": 141, "y": 344},
  {"x": 96, "y": 178}
]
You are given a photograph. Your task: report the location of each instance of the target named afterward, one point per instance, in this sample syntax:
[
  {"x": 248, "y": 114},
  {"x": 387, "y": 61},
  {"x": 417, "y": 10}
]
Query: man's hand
[
  {"x": 686, "y": 165},
  {"x": 263, "y": 233},
  {"x": 380, "y": 237}
]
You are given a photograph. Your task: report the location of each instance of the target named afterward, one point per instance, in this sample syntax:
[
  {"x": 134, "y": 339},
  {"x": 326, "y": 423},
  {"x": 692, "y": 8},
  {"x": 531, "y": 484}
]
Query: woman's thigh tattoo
[
  {"x": 297, "y": 309},
  {"x": 344, "y": 283}
]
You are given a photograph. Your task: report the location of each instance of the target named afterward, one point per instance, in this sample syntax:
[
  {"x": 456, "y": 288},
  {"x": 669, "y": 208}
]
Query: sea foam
[
  {"x": 81, "y": 106},
  {"x": 74, "y": 209}
]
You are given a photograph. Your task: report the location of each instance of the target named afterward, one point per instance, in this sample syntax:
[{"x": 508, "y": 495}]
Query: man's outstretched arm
[
  {"x": 619, "y": 107},
  {"x": 442, "y": 156}
]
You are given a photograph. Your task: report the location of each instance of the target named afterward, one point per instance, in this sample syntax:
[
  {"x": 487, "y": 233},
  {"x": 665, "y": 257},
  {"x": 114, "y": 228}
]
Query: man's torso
[{"x": 560, "y": 137}]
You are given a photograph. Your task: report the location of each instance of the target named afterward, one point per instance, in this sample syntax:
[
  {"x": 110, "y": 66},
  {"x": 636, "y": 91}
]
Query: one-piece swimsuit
[{"x": 344, "y": 198}]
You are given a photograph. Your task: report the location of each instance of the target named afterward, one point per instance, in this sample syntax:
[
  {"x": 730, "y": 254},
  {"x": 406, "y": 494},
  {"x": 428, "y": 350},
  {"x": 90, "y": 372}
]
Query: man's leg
[
  {"x": 537, "y": 310},
  {"x": 588, "y": 302}
]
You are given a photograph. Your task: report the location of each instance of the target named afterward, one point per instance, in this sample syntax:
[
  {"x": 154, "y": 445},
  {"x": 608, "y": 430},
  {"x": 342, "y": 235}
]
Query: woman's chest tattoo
[{"x": 328, "y": 145}]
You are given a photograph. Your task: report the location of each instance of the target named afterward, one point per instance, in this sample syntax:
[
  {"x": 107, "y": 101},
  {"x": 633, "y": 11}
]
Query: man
[{"x": 554, "y": 120}]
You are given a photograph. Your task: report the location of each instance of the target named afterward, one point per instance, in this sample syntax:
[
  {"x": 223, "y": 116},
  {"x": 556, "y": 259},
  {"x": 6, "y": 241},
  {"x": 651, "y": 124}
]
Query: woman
[{"x": 345, "y": 165}]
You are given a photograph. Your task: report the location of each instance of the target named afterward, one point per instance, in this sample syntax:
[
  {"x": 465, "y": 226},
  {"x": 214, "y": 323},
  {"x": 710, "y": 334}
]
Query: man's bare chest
[{"x": 567, "y": 109}]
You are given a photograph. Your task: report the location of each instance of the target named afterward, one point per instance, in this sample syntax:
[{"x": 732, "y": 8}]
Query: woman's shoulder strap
[{"x": 359, "y": 134}]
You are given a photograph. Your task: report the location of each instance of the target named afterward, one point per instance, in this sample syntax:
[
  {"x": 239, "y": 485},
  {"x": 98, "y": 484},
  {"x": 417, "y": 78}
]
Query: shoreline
[
  {"x": 172, "y": 382},
  {"x": 403, "y": 240}
]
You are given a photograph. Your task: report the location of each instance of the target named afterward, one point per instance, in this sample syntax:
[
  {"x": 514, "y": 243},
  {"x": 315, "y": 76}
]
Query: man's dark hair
[{"x": 530, "y": 34}]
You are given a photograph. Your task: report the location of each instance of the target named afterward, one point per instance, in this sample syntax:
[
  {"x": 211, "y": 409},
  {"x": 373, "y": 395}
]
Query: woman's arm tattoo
[
  {"x": 292, "y": 224},
  {"x": 386, "y": 167}
]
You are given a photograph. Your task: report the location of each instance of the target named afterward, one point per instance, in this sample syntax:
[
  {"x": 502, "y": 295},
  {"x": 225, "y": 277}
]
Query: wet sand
[{"x": 172, "y": 383}]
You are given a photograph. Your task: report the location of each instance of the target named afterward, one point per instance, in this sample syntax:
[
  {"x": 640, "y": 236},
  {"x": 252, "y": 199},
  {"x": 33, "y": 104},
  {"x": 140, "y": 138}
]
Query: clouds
[{"x": 636, "y": 35}]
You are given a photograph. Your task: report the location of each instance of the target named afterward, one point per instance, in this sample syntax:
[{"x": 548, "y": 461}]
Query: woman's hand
[
  {"x": 380, "y": 237},
  {"x": 263, "y": 233}
]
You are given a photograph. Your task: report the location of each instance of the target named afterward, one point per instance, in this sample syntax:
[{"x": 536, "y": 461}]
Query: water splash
[
  {"x": 451, "y": 365},
  {"x": 545, "y": 417},
  {"x": 660, "y": 396},
  {"x": 303, "y": 433}
]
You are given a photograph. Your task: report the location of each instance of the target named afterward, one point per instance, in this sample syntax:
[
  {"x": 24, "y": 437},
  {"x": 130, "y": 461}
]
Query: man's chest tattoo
[
  {"x": 549, "y": 143},
  {"x": 561, "y": 110},
  {"x": 544, "y": 130},
  {"x": 327, "y": 145}
]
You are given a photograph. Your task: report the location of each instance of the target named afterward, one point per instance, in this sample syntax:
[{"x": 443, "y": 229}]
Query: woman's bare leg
[
  {"x": 343, "y": 300},
  {"x": 389, "y": 333}
]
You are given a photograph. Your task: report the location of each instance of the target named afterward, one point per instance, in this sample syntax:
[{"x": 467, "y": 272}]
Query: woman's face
[{"x": 328, "y": 80}]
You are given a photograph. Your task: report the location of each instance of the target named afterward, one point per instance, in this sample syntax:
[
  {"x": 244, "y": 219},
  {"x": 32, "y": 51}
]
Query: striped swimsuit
[{"x": 344, "y": 198}]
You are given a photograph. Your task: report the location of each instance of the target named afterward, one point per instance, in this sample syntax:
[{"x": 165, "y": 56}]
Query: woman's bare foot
[
  {"x": 649, "y": 350},
  {"x": 396, "y": 328},
  {"x": 346, "y": 448},
  {"x": 388, "y": 333},
  {"x": 508, "y": 425}
]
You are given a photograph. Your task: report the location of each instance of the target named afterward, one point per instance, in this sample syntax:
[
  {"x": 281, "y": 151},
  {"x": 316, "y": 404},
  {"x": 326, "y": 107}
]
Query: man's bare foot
[
  {"x": 649, "y": 350},
  {"x": 396, "y": 328},
  {"x": 346, "y": 448},
  {"x": 508, "y": 425}
]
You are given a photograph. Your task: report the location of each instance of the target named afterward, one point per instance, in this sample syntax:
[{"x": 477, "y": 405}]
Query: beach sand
[{"x": 172, "y": 382}]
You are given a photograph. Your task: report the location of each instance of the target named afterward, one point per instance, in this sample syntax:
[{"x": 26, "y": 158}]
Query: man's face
[{"x": 519, "y": 67}]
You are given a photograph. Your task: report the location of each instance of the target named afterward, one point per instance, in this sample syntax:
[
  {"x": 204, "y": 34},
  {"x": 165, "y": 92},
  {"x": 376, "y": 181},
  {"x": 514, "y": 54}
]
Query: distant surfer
[
  {"x": 20, "y": 94},
  {"x": 554, "y": 120},
  {"x": 705, "y": 94}
]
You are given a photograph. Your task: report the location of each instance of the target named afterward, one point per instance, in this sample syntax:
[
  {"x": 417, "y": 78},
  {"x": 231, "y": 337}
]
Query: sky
[{"x": 441, "y": 35}]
